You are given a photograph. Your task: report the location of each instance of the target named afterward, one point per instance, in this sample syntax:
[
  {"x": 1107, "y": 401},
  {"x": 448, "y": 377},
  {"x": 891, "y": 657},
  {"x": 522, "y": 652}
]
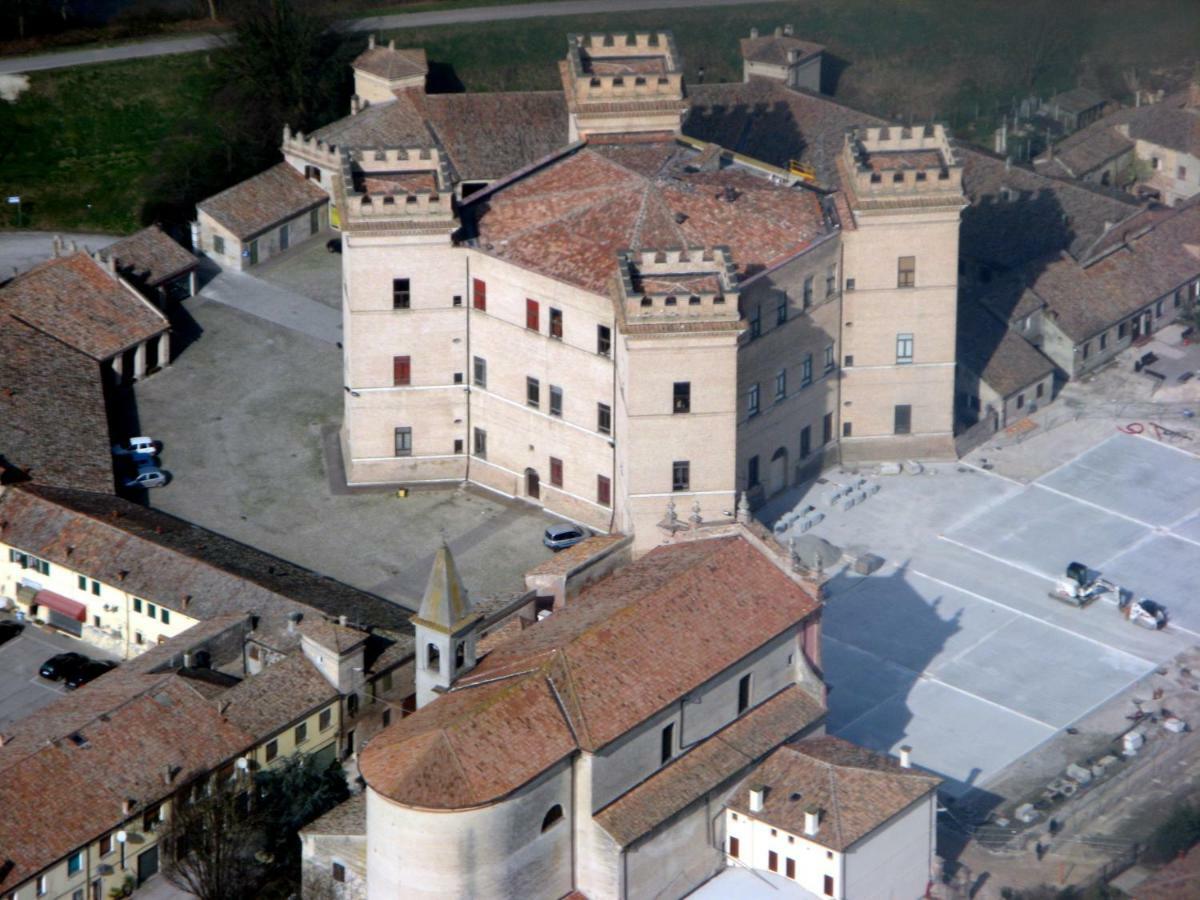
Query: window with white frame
[{"x": 904, "y": 349}]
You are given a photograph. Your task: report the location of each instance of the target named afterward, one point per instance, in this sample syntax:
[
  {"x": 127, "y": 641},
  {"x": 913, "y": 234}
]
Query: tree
[
  {"x": 291, "y": 795},
  {"x": 211, "y": 840}
]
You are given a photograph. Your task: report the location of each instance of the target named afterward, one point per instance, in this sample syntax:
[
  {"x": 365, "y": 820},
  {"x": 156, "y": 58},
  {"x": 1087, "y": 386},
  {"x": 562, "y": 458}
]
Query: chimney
[
  {"x": 127, "y": 806},
  {"x": 371, "y": 42},
  {"x": 392, "y": 44},
  {"x": 753, "y": 33},
  {"x": 787, "y": 29},
  {"x": 168, "y": 775},
  {"x": 793, "y": 56},
  {"x": 757, "y": 793},
  {"x": 778, "y": 31},
  {"x": 343, "y": 620},
  {"x": 812, "y": 820},
  {"x": 187, "y": 660},
  {"x": 355, "y": 105},
  {"x": 293, "y": 621},
  {"x": 906, "y": 757}
]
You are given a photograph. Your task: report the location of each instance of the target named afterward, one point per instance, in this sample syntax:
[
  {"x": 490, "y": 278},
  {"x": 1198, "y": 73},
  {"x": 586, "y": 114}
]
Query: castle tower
[
  {"x": 446, "y": 629},
  {"x": 403, "y": 319},
  {"x": 678, "y": 316},
  {"x": 623, "y": 84},
  {"x": 899, "y": 304},
  {"x": 380, "y": 71}
]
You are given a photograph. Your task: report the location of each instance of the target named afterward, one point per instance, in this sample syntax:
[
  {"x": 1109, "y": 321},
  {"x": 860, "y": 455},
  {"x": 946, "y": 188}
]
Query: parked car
[
  {"x": 143, "y": 446},
  {"x": 334, "y": 245},
  {"x": 89, "y": 671},
  {"x": 560, "y": 537},
  {"x": 9, "y": 630},
  {"x": 148, "y": 476},
  {"x": 56, "y": 668}
]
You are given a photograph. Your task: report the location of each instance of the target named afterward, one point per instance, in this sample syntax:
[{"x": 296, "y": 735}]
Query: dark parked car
[
  {"x": 560, "y": 537},
  {"x": 9, "y": 630},
  {"x": 334, "y": 245},
  {"x": 56, "y": 668},
  {"x": 89, "y": 671}
]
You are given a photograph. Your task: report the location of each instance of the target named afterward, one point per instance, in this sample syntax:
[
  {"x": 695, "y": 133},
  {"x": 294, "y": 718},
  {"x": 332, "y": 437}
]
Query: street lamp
[{"x": 122, "y": 837}]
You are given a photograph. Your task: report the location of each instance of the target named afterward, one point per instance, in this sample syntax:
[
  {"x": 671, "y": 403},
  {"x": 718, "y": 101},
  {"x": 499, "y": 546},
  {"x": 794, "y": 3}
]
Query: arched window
[
  {"x": 433, "y": 658},
  {"x": 553, "y": 815},
  {"x": 460, "y": 655}
]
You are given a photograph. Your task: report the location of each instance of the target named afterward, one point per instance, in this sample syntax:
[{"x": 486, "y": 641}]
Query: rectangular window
[
  {"x": 403, "y": 439},
  {"x": 902, "y": 419},
  {"x": 1158, "y": 308},
  {"x": 301, "y": 733},
  {"x": 272, "y": 750},
  {"x": 479, "y": 294},
  {"x": 456, "y": 300},
  {"x": 831, "y": 280},
  {"x": 906, "y": 272},
  {"x": 682, "y": 397},
  {"x": 458, "y": 445},
  {"x": 165, "y": 616},
  {"x": 603, "y": 340},
  {"x": 752, "y": 401},
  {"x": 151, "y": 609},
  {"x": 780, "y": 385},
  {"x": 41, "y": 886},
  {"x": 74, "y": 863},
  {"x": 218, "y": 245},
  {"x": 806, "y": 370},
  {"x": 556, "y": 323},
  {"x": 772, "y": 860},
  {"x": 752, "y": 472},
  {"x": 1020, "y": 401},
  {"x": 681, "y": 475},
  {"x": 480, "y": 367},
  {"x": 1182, "y": 172},
  {"x": 829, "y": 361},
  {"x": 1041, "y": 389},
  {"x": 481, "y": 443},
  {"x": 556, "y": 396},
  {"x": 137, "y": 604},
  {"x": 904, "y": 349},
  {"x": 789, "y": 868},
  {"x": 458, "y": 377},
  {"x": 325, "y": 719},
  {"x": 106, "y": 845},
  {"x": 668, "y": 742},
  {"x": 808, "y": 291},
  {"x": 1178, "y": 298},
  {"x": 847, "y": 430},
  {"x": 339, "y": 872},
  {"x": 1087, "y": 349},
  {"x": 532, "y": 315},
  {"x": 603, "y": 491},
  {"x": 827, "y": 429},
  {"x": 848, "y": 361},
  {"x": 603, "y": 418},
  {"x": 743, "y": 694},
  {"x": 781, "y": 310},
  {"x": 849, "y": 284},
  {"x": 1122, "y": 330},
  {"x": 96, "y": 588},
  {"x": 805, "y": 441},
  {"x": 82, "y": 583},
  {"x": 400, "y": 293},
  {"x": 828, "y": 885},
  {"x": 533, "y": 392},
  {"x": 755, "y": 322},
  {"x": 733, "y": 847},
  {"x": 1104, "y": 340},
  {"x": 152, "y": 817},
  {"x": 401, "y": 371},
  {"x": 314, "y": 215}
]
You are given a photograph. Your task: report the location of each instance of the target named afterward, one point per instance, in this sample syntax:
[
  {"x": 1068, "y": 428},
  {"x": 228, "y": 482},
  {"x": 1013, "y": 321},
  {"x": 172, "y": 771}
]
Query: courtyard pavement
[
  {"x": 249, "y": 413},
  {"x": 954, "y": 647},
  {"x": 22, "y": 690},
  {"x": 21, "y": 250}
]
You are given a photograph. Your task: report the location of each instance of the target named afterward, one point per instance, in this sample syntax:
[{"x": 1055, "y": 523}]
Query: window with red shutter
[
  {"x": 604, "y": 496},
  {"x": 479, "y": 293},
  {"x": 556, "y": 477},
  {"x": 531, "y": 315},
  {"x": 401, "y": 370}
]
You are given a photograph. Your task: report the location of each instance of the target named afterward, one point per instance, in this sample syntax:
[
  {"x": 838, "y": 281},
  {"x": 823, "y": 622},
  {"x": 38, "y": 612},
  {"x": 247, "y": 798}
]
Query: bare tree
[{"x": 211, "y": 841}]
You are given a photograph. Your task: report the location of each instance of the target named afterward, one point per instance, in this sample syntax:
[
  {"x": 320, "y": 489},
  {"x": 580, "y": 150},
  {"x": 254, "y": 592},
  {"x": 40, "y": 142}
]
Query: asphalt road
[{"x": 164, "y": 46}]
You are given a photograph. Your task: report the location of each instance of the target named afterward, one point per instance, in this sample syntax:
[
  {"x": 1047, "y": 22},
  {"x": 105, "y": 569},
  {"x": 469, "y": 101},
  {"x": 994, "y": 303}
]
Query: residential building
[
  {"x": 838, "y": 820},
  {"x": 783, "y": 57},
  {"x": 578, "y": 750},
  {"x": 156, "y": 265},
  {"x": 1001, "y": 377},
  {"x": 1075, "y": 109}
]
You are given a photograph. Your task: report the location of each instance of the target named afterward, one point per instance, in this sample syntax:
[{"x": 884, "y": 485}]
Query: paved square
[
  {"x": 955, "y": 647},
  {"x": 22, "y": 691}
]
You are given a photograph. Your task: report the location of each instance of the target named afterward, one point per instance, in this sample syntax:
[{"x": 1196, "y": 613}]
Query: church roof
[
  {"x": 626, "y": 648},
  {"x": 445, "y": 606}
]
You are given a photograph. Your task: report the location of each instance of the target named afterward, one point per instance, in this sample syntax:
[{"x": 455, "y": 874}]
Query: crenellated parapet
[
  {"x": 313, "y": 150},
  {"x": 896, "y": 162},
  {"x": 608, "y": 68},
  {"x": 678, "y": 285},
  {"x": 409, "y": 188}
]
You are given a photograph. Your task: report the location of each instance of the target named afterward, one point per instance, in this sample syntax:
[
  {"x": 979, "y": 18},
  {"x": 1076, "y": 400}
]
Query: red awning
[{"x": 61, "y": 604}]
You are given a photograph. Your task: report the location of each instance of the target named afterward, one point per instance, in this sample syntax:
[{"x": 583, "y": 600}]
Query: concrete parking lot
[
  {"x": 954, "y": 646},
  {"x": 249, "y": 413},
  {"x": 22, "y": 690}
]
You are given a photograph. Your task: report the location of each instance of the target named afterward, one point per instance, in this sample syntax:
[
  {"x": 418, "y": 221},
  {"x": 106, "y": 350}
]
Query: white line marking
[
  {"x": 1103, "y": 509},
  {"x": 983, "y": 471},
  {"x": 1006, "y": 562},
  {"x": 1158, "y": 443}
]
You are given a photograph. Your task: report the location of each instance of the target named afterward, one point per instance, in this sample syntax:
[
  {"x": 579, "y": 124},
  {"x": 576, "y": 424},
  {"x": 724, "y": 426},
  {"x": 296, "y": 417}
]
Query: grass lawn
[{"x": 121, "y": 135}]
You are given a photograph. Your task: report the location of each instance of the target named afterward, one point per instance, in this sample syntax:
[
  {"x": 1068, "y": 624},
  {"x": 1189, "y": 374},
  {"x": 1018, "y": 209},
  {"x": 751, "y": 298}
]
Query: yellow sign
[{"x": 802, "y": 171}]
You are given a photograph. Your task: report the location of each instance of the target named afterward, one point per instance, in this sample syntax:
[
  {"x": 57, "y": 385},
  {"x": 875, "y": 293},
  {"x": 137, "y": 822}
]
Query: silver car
[
  {"x": 560, "y": 537},
  {"x": 148, "y": 476}
]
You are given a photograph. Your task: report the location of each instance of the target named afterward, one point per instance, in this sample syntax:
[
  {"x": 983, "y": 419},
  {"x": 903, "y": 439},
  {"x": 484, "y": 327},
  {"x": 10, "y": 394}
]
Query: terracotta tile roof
[
  {"x": 1040, "y": 216},
  {"x": 74, "y": 299},
  {"x": 259, "y": 203},
  {"x": 1085, "y": 151},
  {"x": 857, "y": 790},
  {"x": 769, "y": 121},
  {"x": 278, "y": 695},
  {"x": 1002, "y": 358},
  {"x": 53, "y": 424},
  {"x": 178, "y": 565},
  {"x": 396, "y": 124},
  {"x": 349, "y": 818},
  {"x": 568, "y": 219},
  {"x": 775, "y": 48},
  {"x": 150, "y": 257},
  {"x": 1174, "y": 123},
  {"x": 392, "y": 63},
  {"x": 709, "y": 764},
  {"x": 331, "y": 635},
  {"x": 566, "y": 560},
  {"x": 626, "y": 648},
  {"x": 1076, "y": 100}
]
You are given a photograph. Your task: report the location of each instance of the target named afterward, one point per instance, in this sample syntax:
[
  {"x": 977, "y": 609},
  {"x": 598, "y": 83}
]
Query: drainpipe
[
  {"x": 468, "y": 367},
  {"x": 612, "y": 438}
]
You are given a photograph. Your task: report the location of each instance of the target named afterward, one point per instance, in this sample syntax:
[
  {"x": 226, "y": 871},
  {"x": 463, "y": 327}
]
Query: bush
[{"x": 1178, "y": 834}]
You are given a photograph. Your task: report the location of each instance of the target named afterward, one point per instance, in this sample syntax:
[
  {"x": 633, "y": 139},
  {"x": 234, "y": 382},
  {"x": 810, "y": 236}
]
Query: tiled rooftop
[
  {"x": 857, "y": 790},
  {"x": 349, "y": 818},
  {"x": 569, "y": 218},
  {"x": 1002, "y": 358},
  {"x": 775, "y": 49},
  {"x": 75, "y": 300},
  {"x": 679, "y": 615},
  {"x": 149, "y": 257},
  {"x": 392, "y": 63},
  {"x": 259, "y": 203}
]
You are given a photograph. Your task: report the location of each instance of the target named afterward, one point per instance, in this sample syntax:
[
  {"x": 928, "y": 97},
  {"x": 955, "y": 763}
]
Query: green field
[{"x": 112, "y": 147}]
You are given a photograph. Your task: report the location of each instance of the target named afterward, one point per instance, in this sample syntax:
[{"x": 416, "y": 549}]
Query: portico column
[
  {"x": 164, "y": 349},
  {"x": 192, "y": 285},
  {"x": 118, "y": 365},
  {"x": 139, "y": 361}
]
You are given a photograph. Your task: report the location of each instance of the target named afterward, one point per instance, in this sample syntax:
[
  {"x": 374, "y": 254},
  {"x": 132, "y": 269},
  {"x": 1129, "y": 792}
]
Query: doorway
[
  {"x": 147, "y": 864},
  {"x": 777, "y": 479},
  {"x": 533, "y": 486}
]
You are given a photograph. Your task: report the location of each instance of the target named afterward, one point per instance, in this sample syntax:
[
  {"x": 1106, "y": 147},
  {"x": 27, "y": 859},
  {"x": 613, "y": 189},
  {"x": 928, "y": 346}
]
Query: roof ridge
[{"x": 835, "y": 802}]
